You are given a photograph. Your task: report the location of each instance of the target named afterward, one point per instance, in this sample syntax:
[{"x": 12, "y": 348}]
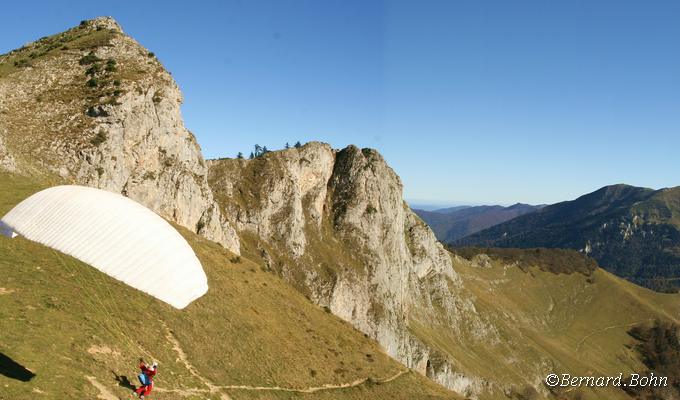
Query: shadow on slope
[
  {"x": 124, "y": 381},
  {"x": 14, "y": 370}
]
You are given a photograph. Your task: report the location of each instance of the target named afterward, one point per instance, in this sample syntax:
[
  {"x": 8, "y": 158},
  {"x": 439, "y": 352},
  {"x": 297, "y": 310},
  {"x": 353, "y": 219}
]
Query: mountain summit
[{"x": 92, "y": 106}]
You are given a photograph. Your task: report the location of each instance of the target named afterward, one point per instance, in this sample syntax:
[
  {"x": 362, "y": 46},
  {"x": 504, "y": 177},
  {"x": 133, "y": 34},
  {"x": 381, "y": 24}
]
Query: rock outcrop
[
  {"x": 334, "y": 224},
  {"x": 276, "y": 198},
  {"x": 94, "y": 107},
  {"x": 6, "y": 160}
]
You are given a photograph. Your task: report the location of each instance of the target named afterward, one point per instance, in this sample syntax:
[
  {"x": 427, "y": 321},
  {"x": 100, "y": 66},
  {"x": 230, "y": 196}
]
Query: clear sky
[{"x": 469, "y": 101}]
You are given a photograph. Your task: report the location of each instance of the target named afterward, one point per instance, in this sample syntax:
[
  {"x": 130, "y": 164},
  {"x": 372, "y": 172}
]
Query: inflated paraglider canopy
[{"x": 114, "y": 234}]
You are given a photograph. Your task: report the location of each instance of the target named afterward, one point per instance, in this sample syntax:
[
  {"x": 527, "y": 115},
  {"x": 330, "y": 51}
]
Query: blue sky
[{"x": 469, "y": 101}]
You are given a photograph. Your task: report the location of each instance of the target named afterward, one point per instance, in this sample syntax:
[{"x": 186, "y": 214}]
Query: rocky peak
[
  {"x": 104, "y": 23},
  {"x": 96, "y": 108},
  {"x": 334, "y": 224}
]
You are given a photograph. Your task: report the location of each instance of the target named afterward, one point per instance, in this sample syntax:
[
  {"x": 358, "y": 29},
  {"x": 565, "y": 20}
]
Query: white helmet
[{"x": 154, "y": 365}]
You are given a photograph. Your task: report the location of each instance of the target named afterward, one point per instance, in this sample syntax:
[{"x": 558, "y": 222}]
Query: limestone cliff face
[
  {"x": 276, "y": 198},
  {"x": 334, "y": 224},
  {"x": 95, "y": 107}
]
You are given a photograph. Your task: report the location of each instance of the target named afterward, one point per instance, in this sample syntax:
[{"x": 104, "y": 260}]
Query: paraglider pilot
[{"x": 146, "y": 378}]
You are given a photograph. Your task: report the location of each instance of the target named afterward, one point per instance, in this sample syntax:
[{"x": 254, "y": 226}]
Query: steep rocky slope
[
  {"x": 334, "y": 224},
  {"x": 94, "y": 107},
  {"x": 633, "y": 232}
]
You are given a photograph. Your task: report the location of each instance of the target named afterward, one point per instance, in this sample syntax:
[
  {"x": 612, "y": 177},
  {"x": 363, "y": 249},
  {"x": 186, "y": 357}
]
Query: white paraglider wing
[{"x": 116, "y": 235}]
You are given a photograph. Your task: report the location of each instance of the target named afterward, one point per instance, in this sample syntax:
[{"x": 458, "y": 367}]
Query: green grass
[
  {"x": 576, "y": 323},
  {"x": 64, "y": 321},
  {"x": 78, "y": 38}
]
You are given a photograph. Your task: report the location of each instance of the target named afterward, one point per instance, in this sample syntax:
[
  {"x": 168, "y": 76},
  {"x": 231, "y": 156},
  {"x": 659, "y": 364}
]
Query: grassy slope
[
  {"x": 65, "y": 321},
  {"x": 52, "y": 46},
  {"x": 561, "y": 320}
]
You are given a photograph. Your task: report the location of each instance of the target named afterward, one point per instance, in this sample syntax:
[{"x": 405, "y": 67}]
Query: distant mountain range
[
  {"x": 449, "y": 209},
  {"x": 451, "y": 224},
  {"x": 631, "y": 231}
]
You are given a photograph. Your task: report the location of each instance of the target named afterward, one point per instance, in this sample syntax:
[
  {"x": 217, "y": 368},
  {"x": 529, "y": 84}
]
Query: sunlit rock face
[
  {"x": 335, "y": 225},
  {"x": 117, "y": 127}
]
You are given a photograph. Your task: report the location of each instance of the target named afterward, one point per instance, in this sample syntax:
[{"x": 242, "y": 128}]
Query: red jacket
[{"x": 150, "y": 372}]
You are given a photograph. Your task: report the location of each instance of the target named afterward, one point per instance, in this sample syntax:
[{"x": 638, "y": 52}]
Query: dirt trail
[
  {"x": 314, "y": 389},
  {"x": 578, "y": 347},
  {"x": 216, "y": 389},
  {"x": 181, "y": 356},
  {"x": 104, "y": 393}
]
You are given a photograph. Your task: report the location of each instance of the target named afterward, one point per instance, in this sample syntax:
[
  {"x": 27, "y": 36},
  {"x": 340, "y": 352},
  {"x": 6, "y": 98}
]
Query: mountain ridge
[
  {"x": 451, "y": 224},
  {"x": 631, "y": 231}
]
